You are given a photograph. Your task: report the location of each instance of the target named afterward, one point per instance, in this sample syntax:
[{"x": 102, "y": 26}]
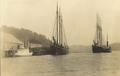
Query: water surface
[{"x": 73, "y": 64}]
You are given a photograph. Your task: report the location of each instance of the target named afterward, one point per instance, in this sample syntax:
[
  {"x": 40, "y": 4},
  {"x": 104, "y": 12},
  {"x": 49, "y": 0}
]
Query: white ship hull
[{"x": 23, "y": 52}]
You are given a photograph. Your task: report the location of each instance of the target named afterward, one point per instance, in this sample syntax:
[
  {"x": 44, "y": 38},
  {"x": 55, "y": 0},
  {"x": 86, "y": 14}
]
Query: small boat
[
  {"x": 98, "y": 46},
  {"x": 25, "y": 50},
  {"x": 59, "y": 42}
]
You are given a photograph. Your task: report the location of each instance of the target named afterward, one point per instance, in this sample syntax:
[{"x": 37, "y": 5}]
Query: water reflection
[
  {"x": 96, "y": 64},
  {"x": 58, "y": 62}
]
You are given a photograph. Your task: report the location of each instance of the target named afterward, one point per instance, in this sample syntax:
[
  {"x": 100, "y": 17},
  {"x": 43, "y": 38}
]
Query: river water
[{"x": 73, "y": 64}]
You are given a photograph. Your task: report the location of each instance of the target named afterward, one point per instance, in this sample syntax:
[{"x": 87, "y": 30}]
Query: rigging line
[
  {"x": 96, "y": 31},
  {"x": 53, "y": 31},
  {"x": 64, "y": 35},
  {"x": 60, "y": 25},
  {"x": 57, "y": 25},
  {"x": 65, "y": 38},
  {"x": 61, "y": 20}
]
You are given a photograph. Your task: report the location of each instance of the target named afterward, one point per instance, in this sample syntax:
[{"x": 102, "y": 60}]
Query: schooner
[
  {"x": 98, "y": 45},
  {"x": 59, "y": 42}
]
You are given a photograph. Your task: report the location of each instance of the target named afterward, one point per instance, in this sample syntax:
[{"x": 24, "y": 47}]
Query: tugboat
[
  {"x": 98, "y": 46},
  {"x": 58, "y": 45},
  {"x": 25, "y": 50}
]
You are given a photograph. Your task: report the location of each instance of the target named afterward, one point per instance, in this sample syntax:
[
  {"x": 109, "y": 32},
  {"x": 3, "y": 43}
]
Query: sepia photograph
[{"x": 60, "y": 37}]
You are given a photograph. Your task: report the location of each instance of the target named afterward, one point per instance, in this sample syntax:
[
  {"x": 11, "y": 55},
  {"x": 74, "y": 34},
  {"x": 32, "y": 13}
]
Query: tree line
[{"x": 24, "y": 34}]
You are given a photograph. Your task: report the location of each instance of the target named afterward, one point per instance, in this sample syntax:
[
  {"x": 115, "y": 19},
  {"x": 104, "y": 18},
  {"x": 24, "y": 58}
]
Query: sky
[{"x": 79, "y": 17}]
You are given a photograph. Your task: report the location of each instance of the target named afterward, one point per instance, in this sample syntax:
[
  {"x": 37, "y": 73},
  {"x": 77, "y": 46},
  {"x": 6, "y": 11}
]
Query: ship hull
[
  {"x": 23, "y": 52},
  {"x": 52, "y": 50},
  {"x": 58, "y": 50},
  {"x": 101, "y": 49},
  {"x": 40, "y": 51}
]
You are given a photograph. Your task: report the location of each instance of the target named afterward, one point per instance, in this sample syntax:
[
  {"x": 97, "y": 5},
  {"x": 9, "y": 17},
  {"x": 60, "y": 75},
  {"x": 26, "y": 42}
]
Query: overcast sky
[{"x": 79, "y": 17}]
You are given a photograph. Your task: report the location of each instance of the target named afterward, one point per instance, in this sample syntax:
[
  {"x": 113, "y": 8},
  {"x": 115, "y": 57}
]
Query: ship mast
[
  {"x": 60, "y": 28},
  {"x": 59, "y": 35},
  {"x": 99, "y": 31},
  {"x": 107, "y": 41},
  {"x": 57, "y": 24}
]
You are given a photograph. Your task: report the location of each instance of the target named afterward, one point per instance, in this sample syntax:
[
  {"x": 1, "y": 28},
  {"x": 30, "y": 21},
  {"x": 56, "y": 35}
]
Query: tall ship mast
[
  {"x": 59, "y": 42},
  {"x": 98, "y": 45}
]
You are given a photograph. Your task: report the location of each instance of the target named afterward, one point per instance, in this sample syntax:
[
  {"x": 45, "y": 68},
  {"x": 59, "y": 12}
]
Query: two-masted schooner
[
  {"x": 98, "y": 43},
  {"x": 59, "y": 43}
]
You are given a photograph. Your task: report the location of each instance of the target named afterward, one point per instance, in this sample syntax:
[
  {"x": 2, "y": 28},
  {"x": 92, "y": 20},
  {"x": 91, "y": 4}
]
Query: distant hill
[
  {"x": 82, "y": 49},
  {"x": 115, "y": 46},
  {"x": 25, "y": 34}
]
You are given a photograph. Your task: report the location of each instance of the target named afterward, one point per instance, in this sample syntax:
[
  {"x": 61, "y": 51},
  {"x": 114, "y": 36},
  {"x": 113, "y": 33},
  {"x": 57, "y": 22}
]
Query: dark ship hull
[
  {"x": 40, "y": 51},
  {"x": 58, "y": 50},
  {"x": 101, "y": 49},
  {"x": 53, "y": 50}
]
